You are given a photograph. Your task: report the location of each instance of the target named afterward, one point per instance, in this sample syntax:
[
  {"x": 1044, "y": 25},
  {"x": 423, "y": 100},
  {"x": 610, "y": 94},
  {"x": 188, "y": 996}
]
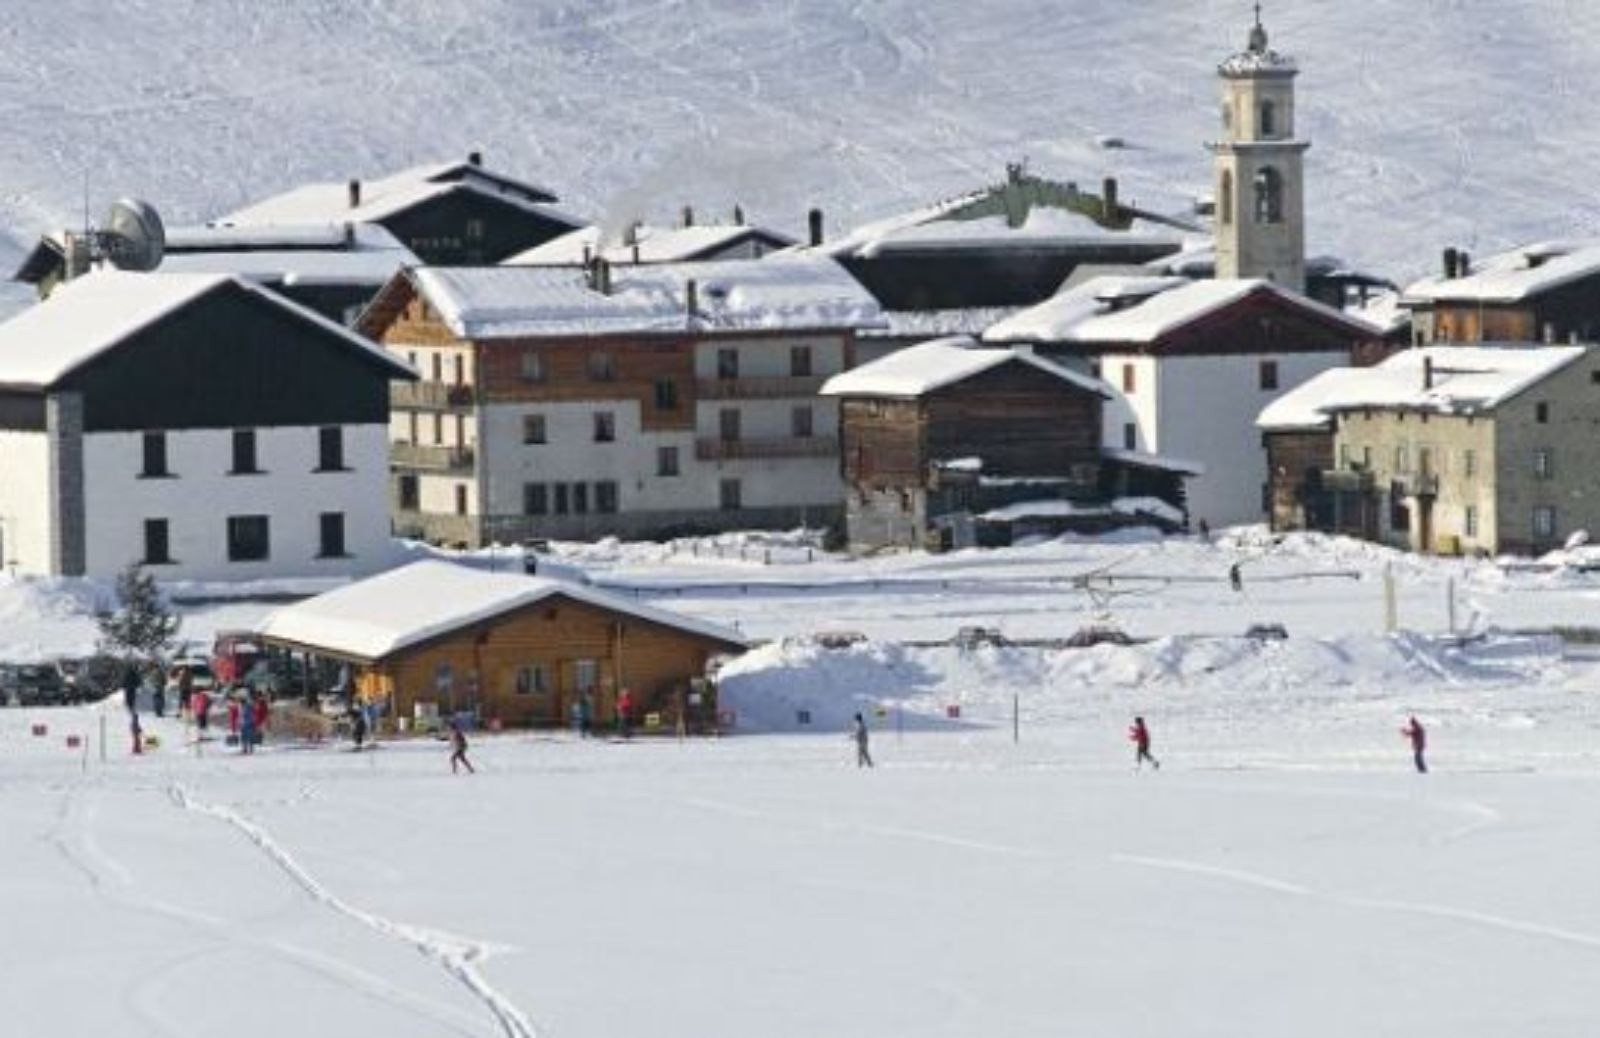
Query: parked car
[
  {"x": 838, "y": 639},
  {"x": 200, "y": 675},
  {"x": 1098, "y": 634},
  {"x": 1266, "y": 632},
  {"x": 972, "y": 637},
  {"x": 33, "y": 684}
]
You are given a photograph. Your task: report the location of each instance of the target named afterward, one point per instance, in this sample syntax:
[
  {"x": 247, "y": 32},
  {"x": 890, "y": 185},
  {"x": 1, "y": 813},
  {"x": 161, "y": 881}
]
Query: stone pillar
[{"x": 68, "y": 530}]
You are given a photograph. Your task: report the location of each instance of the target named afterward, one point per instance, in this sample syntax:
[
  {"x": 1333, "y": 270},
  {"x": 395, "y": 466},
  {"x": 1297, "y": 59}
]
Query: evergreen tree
[{"x": 143, "y": 626}]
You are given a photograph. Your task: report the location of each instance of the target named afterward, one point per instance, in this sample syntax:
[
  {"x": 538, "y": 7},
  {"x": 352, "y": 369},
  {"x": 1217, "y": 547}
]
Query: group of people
[
  {"x": 583, "y": 714},
  {"x": 1139, "y": 735},
  {"x": 249, "y": 712}
]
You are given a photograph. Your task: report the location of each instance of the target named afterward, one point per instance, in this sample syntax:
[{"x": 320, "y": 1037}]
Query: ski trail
[
  {"x": 457, "y": 956},
  {"x": 1469, "y": 916}
]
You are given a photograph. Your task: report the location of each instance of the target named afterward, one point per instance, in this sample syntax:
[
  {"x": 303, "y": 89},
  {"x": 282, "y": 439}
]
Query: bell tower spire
[{"x": 1260, "y": 183}]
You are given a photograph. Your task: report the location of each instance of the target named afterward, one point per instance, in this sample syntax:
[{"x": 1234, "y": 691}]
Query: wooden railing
[
  {"x": 432, "y": 396},
  {"x": 420, "y": 456},
  {"x": 787, "y": 447},
  {"x": 774, "y": 388}
]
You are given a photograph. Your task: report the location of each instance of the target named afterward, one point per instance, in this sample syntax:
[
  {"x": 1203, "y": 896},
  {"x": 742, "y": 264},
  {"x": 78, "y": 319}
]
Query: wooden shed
[{"x": 516, "y": 649}]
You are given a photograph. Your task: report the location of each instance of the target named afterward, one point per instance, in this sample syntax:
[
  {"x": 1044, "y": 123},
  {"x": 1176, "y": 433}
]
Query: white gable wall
[
  {"x": 200, "y": 496},
  {"x": 1206, "y": 407},
  {"x": 25, "y": 501}
]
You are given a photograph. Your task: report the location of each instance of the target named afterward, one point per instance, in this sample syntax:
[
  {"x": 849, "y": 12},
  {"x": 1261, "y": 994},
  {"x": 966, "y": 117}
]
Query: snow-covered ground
[
  {"x": 998, "y": 873},
  {"x": 1463, "y": 122}
]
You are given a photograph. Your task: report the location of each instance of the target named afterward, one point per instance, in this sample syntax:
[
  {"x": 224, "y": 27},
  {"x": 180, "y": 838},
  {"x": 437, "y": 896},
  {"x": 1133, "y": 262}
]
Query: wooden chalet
[
  {"x": 1547, "y": 293},
  {"x": 509, "y": 648}
]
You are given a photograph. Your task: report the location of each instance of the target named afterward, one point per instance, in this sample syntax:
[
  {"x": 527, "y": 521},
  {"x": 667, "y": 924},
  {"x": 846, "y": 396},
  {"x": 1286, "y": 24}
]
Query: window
[
  {"x": 155, "y": 455},
  {"x": 1544, "y": 522},
  {"x": 1366, "y": 458},
  {"x": 1128, "y": 380},
  {"x": 605, "y": 496},
  {"x": 461, "y": 499},
  {"x": 532, "y": 366},
  {"x": 1344, "y": 455},
  {"x": 1269, "y": 196},
  {"x": 411, "y": 422},
  {"x": 1469, "y": 463},
  {"x": 666, "y": 395},
  {"x": 474, "y": 230},
  {"x": 731, "y": 497},
  {"x": 1225, "y": 198},
  {"x": 535, "y": 499},
  {"x": 605, "y": 427},
  {"x": 459, "y": 366},
  {"x": 800, "y": 423},
  {"x": 156, "y": 544},
  {"x": 800, "y": 361},
  {"x": 247, "y": 538},
  {"x": 1267, "y": 376},
  {"x": 602, "y": 368},
  {"x": 586, "y": 675},
  {"x": 580, "y": 499},
  {"x": 410, "y": 495},
  {"x": 330, "y": 449},
  {"x": 1543, "y": 463},
  {"x": 1269, "y": 119},
  {"x": 1541, "y": 413},
  {"x": 533, "y": 680},
  {"x": 560, "y": 499},
  {"x": 1130, "y": 436},
  {"x": 438, "y": 367},
  {"x": 533, "y": 428},
  {"x": 1425, "y": 460},
  {"x": 727, "y": 363},
  {"x": 438, "y": 429},
  {"x": 728, "y": 424},
  {"x": 330, "y": 528},
  {"x": 244, "y": 452},
  {"x": 1402, "y": 459},
  {"x": 1469, "y": 521},
  {"x": 666, "y": 461}
]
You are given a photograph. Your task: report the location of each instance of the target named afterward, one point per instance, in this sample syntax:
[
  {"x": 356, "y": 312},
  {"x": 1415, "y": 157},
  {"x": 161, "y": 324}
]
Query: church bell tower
[{"x": 1260, "y": 168}]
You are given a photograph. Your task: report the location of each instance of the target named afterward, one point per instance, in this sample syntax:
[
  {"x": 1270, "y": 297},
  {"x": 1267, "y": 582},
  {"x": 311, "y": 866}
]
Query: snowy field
[
  {"x": 1285, "y": 872},
  {"x": 1463, "y": 122}
]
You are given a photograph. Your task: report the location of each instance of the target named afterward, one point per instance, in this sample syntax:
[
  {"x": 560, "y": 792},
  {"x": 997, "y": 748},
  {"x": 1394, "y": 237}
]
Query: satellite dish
[{"x": 133, "y": 237}]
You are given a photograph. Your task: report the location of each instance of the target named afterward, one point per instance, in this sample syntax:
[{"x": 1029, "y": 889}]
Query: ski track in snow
[{"x": 457, "y": 956}]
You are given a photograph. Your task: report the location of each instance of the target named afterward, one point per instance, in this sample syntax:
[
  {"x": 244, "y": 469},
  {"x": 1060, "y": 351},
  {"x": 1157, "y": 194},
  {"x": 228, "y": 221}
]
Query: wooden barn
[
  {"x": 948, "y": 444},
  {"x": 1549, "y": 292},
  {"x": 512, "y": 649}
]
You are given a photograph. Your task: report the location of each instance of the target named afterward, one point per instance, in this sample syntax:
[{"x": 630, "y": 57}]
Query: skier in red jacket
[
  {"x": 1139, "y": 735},
  {"x": 1419, "y": 743}
]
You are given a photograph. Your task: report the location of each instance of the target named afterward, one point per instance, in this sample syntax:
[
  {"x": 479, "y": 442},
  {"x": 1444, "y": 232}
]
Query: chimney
[
  {"x": 1451, "y": 258},
  {"x": 349, "y": 235},
  {"x": 636, "y": 253},
  {"x": 355, "y": 194},
  {"x": 602, "y": 276},
  {"x": 691, "y": 296},
  {"x": 738, "y": 215},
  {"x": 1108, "y": 198},
  {"x": 1427, "y": 372},
  {"x": 588, "y": 257},
  {"x": 1463, "y": 263},
  {"x": 688, "y": 216},
  {"x": 814, "y": 218},
  {"x": 475, "y": 158}
]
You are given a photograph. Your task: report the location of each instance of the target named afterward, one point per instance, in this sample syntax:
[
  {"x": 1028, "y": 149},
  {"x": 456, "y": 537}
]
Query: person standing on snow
[
  {"x": 860, "y": 736},
  {"x": 1419, "y": 743},
  {"x": 1139, "y": 735},
  {"x": 458, "y": 749},
  {"x": 358, "y": 726},
  {"x": 130, "y": 688},
  {"x": 625, "y": 713},
  {"x": 200, "y": 710},
  {"x": 262, "y": 711},
  {"x": 247, "y": 728}
]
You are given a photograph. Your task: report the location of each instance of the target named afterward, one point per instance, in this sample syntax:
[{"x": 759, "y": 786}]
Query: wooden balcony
[
  {"x": 431, "y": 396},
  {"x": 437, "y": 459},
  {"x": 787, "y": 447},
  {"x": 759, "y": 388}
]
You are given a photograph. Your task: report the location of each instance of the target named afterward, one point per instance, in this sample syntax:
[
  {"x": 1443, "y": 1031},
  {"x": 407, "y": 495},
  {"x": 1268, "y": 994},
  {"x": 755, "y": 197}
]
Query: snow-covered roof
[
  {"x": 386, "y": 196},
  {"x": 1465, "y": 380},
  {"x": 917, "y": 370},
  {"x": 93, "y": 314},
  {"x": 1147, "y": 460},
  {"x": 379, "y": 616},
  {"x": 1513, "y": 276},
  {"x": 790, "y": 292},
  {"x": 939, "y": 324},
  {"x": 1057, "y": 508},
  {"x": 1384, "y": 312},
  {"x": 655, "y": 245},
  {"x": 353, "y": 254},
  {"x": 1097, "y": 311}
]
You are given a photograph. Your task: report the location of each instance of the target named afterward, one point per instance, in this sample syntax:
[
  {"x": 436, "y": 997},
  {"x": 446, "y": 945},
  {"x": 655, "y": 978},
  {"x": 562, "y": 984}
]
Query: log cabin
[
  {"x": 508, "y": 648},
  {"x": 1547, "y": 292}
]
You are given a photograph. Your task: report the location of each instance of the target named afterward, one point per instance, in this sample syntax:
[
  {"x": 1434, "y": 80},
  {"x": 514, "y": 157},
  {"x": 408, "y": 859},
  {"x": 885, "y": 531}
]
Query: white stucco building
[{"x": 198, "y": 424}]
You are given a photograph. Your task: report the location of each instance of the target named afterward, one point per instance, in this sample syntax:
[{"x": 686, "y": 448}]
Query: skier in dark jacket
[
  {"x": 458, "y": 749},
  {"x": 130, "y": 688},
  {"x": 1139, "y": 735},
  {"x": 860, "y": 736},
  {"x": 358, "y": 726},
  {"x": 1419, "y": 743}
]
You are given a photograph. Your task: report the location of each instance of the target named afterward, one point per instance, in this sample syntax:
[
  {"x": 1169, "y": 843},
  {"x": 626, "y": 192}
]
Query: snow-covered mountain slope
[{"x": 1434, "y": 122}]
